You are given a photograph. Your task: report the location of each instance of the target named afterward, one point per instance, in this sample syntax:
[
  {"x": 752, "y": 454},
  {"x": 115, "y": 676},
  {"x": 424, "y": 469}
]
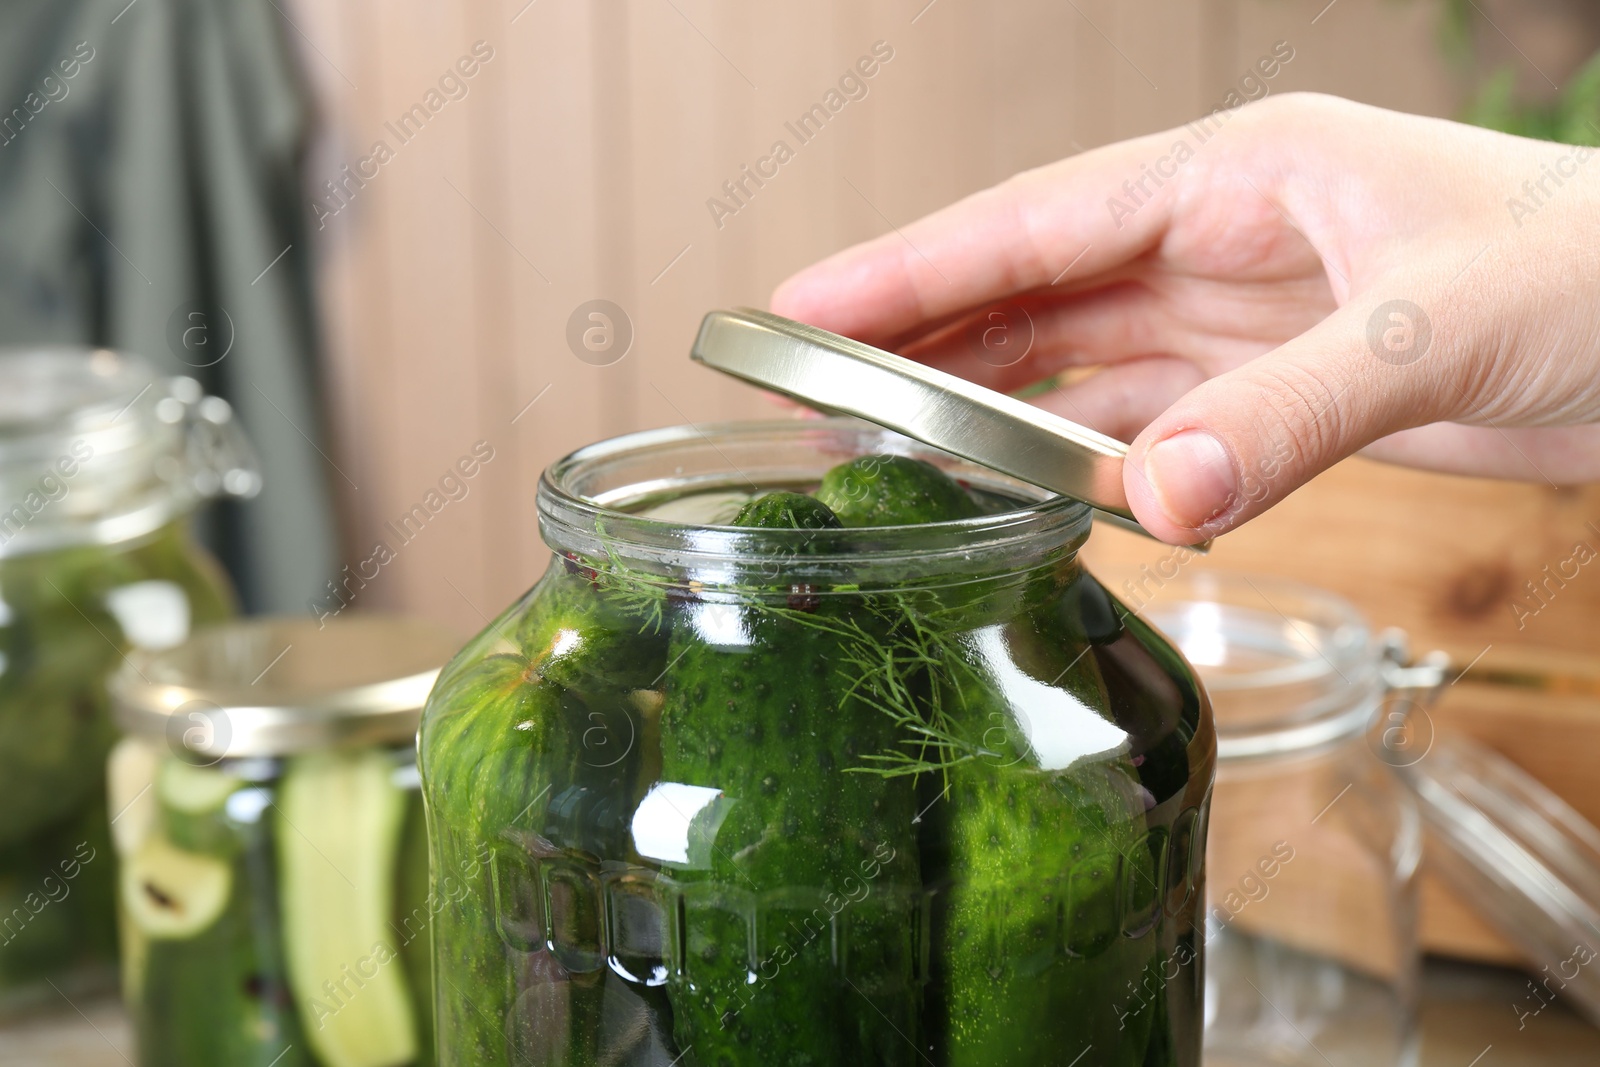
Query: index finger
[{"x": 1041, "y": 228}]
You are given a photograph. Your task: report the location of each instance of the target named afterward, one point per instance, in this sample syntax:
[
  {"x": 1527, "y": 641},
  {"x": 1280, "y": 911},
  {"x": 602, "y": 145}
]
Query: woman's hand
[{"x": 1267, "y": 291}]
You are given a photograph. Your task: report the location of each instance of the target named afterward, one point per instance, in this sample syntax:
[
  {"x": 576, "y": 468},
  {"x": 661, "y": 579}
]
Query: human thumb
[{"x": 1237, "y": 444}]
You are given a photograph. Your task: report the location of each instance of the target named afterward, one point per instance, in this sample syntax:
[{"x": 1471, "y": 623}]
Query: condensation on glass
[{"x": 904, "y": 795}]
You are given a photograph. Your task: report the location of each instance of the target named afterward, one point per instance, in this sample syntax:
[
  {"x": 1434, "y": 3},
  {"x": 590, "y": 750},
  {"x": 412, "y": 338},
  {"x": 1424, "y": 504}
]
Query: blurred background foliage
[{"x": 1572, "y": 116}]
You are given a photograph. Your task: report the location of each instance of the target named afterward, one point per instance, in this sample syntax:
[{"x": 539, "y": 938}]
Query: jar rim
[{"x": 584, "y": 500}]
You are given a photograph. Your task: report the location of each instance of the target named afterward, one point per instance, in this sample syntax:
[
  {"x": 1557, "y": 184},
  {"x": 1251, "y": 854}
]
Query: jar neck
[
  {"x": 96, "y": 449},
  {"x": 589, "y": 507}
]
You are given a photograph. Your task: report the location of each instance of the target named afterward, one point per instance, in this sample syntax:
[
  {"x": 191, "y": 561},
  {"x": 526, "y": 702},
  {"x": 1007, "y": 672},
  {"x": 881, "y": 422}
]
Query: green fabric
[{"x": 163, "y": 177}]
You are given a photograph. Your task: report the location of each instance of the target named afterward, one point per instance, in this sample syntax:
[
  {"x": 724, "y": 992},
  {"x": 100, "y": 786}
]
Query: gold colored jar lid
[{"x": 275, "y": 686}]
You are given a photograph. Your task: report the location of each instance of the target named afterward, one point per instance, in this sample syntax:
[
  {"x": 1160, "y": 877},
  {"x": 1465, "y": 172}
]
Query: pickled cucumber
[
  {"x": 60, "y": 635},
  {"x": 787, "y": 511},
  {"x": 341, "y": 815},
  {"x": 585, "y": 640},
  {"x": 893, "y": 825},
  {"x": 219, "y": 993},
  {"x": 488, "y": 787},
  {"x": 1032, "y": 922},
  {"x": 530, "y": 749},
  {"x": 188, "y": 799},
  {"x": 130, "y": 775},
  {"x": 172, "y": 893},
  {"x": 193, "y": 790},
  {"x": 798, "y": 941},
  {"x": 892, "y": 490},
  {"x": 1047, "y": 832}
]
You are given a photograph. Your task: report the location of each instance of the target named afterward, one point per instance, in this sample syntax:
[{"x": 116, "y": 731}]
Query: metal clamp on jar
[{"x": 1329, "y": 777}]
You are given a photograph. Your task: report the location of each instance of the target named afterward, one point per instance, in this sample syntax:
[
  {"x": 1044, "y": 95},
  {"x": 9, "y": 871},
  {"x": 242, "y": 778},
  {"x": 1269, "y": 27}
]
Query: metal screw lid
[
  {"x": 835, "y": 374},
  {"x": 274, "y": 686}
]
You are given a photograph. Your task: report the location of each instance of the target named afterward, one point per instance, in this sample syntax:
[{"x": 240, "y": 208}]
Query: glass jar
[
  {"x": 272, "y": 852},
  {"x": 1315, "y": 842},
  {"x": 895, "y": 795},
  {"x": 101, "y": 462}
]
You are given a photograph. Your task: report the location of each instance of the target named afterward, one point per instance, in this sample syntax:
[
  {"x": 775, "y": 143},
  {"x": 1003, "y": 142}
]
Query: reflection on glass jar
[
  {"x": 1314, "y": 843},
  {"x": 870, "y": 795},
  {"x": 272, "y": 886},
  {"x": 100, "y": 464}
]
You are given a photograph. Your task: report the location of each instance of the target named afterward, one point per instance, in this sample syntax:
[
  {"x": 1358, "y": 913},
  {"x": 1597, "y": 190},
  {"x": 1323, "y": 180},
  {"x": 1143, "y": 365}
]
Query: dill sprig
[
  {"x": 637, "y": 594},
  {"x": 906, "y": 667},
  {"x": 896, "y": 656}
]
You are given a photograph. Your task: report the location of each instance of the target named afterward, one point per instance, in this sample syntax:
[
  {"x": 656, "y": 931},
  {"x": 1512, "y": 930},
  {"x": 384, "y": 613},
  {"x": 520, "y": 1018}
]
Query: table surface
[{"x": 1468, "y": 1020}]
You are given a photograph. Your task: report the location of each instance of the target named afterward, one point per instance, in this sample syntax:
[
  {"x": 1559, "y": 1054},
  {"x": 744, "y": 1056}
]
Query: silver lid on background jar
[
  {"x": 276, "y": 686},
  {"x": 836, "y": 374},
  {"x": 97, "y": 448}
]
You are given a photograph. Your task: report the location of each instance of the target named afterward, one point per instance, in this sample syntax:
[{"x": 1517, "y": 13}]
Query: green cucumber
[
  {"x": 190, "y": 802},
  {"x": 193, "y": 790},
  {"x": 811, "y": 868},
  {"x": 787, "y": 511},
  {"x": 892, "y": 490},
  {"x": 486, "y": 738},
  {"x": 411, "y": 922},
  {"x": 579, "y": 636},
  {"x": 531, "y": 750},
  {"x": 340, "y": 816},
  {"x": 219, "y": 995},
  {"x": 1047, "y": 850},
  {"x": 1002, "y": 964},
  {"x": 131, "y": 776},
  {"x": 171, "y": 893}
]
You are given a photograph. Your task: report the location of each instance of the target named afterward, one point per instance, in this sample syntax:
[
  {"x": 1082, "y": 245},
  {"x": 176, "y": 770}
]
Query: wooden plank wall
[
  {"x": 579, "y": 163},
  {"x": 578, "y": 166}
]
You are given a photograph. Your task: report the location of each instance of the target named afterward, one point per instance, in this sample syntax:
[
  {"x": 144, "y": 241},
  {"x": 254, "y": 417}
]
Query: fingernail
[{"x": 1192, "y": 476}]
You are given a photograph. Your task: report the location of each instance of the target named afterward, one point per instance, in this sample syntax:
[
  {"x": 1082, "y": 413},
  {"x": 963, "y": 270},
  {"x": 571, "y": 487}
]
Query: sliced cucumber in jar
[
  {"x": 171, "y": 893},
  {"x": 193, "y": 790},
  {"x": 338, "y": 843},
  {"x": 193, "y": 803},
  {"x": 131, "y": 775},
  {"x": 221, "y": 997}
]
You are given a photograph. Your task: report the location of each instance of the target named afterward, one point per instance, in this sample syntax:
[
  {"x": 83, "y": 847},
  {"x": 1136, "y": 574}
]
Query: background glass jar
[
  {"x": 101, "y": 462},
  {"x": 871, "y": 796},
  {"x": 271, "y": 846},
  {"x": 1315, "y": 842}
]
